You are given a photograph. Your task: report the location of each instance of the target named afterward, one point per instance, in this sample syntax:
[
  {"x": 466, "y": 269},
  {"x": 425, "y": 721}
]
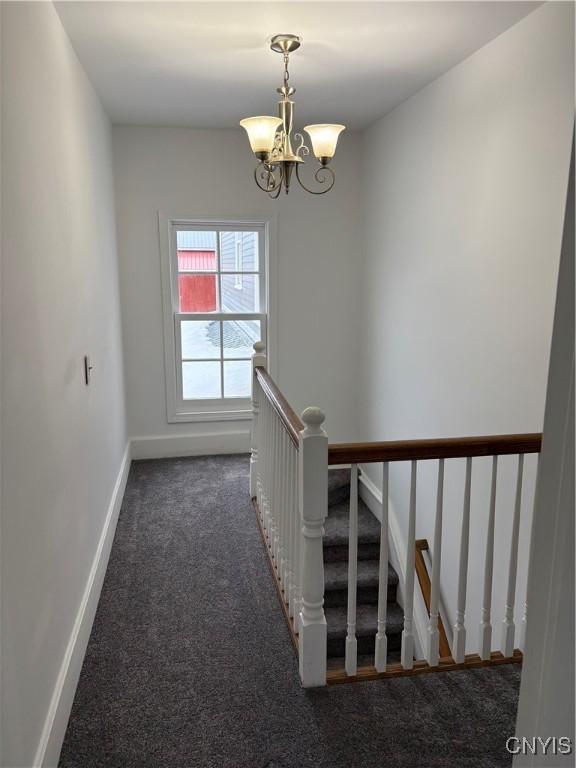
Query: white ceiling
[{"x": 207, "y": 64}]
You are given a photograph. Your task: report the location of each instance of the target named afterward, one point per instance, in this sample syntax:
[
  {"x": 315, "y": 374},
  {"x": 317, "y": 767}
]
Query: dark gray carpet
[{"x": 190, "y": 663}]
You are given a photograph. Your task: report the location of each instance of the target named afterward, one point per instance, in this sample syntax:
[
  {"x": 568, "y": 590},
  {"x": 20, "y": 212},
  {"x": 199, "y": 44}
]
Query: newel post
[
  {"x": 258, "y": 361},
  {"x": 313, "y": 501}
]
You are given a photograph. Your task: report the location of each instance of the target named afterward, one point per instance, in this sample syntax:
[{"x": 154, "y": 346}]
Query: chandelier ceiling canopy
[{"x": 271, "y": 138}]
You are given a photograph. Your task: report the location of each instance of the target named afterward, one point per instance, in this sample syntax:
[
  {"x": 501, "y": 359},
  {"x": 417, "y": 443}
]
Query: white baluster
[
  {"x": 259, "y": 447},
  {"x": 291, "y": 525},
  {"x": 269, "y": 473},
  {"x": 407, "y": 653},
  {"x": 267, "y": 467},
  {"x": 433, "y": 639},
  {"x": 508, "y": 627},
  {"x": 297, "y": 534},
  {"x": 273, "y": 488},
  {"x": 381, "y": 642},
  {"x": 274, "y": 504},
  {"x": 288, "y": 511},
  {"x": 283, "y": 515},
  {"x": 485, "y": 622},
  {"x": 459, "y": 650},
  {"x": 273, "y": 508},
  {"x": 524, "y": 622},
  {"x": 256, "y": 441},
  {"x": 263, "y": 459},
  {"x": 258, "y": 361},
  {"x": 351, "y": 643},
  {"x": 313, "y": 502},
  {"x": 284, "y": 546},
  {"x": 279, "y": 468}
]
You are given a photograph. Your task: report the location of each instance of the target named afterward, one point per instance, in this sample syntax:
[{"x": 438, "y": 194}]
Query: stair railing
[
  {"x": 354, "y": 454},
  {"x": 289, "y": 464},
  {"x": 289, "y": 485}
]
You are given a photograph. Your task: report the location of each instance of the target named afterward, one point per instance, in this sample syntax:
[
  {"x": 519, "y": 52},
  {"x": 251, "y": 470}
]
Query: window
[
  {"x": 239, "y": 261},
  {"x": 215, "y": 309}
]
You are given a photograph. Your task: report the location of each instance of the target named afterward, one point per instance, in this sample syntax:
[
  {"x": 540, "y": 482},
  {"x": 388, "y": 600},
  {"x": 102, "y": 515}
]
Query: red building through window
[{"x": 197, "y": 292}]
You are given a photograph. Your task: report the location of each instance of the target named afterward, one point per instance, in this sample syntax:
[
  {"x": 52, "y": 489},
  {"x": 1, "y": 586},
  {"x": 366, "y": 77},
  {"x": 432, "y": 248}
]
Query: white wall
[
  {"x": 201, "y": 173},
  {"x": 63, "y": 442},
  {"x": 464, "y": 193},
  {"x": 546, "y": 706}
]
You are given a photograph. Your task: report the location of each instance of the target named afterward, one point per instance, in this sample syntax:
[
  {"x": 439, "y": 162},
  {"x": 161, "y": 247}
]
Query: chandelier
[{"x": 271, "y": 138}]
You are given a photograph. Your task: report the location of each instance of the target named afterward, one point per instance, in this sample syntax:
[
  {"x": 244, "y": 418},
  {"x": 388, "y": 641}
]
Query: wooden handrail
[
  {"x": 426, "y": 589},
  {"x": 288, "y": 417},
  {"x": 446, "y": 448}
]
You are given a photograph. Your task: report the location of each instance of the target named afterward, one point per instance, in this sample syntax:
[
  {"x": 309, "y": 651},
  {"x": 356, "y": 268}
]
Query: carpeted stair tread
[
  {"x": 336, "y": 528},
  {"x": 364, "y": 596},
  {"x": 366, "y": 621},
  {"x": 339, "y": 553},
  {"x": 336, "y": 575},
  {"x": 337, "y": 523},
  {"x": 338, "y": 486}
]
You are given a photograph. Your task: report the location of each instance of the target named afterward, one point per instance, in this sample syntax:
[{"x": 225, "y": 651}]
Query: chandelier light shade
[
  {"x": 324, "y": 138},
  {"x": 271, "y": 139},
  {"x": 261, "y": 132}
]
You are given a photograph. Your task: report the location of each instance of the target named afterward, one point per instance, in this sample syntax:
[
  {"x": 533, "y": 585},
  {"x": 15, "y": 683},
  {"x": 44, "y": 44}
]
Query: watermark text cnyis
[{"x": 537, "y": 745}]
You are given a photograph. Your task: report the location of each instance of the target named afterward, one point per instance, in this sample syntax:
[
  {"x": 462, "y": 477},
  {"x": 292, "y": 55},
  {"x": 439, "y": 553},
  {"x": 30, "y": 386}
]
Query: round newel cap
[
  {"x": 313, "y": 417},
  {"x": 259, "y": 347}
]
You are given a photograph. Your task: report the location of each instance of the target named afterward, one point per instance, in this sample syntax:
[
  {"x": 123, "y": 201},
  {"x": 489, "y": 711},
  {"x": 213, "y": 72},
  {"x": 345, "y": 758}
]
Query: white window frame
[{"x": 217, "y": 409}]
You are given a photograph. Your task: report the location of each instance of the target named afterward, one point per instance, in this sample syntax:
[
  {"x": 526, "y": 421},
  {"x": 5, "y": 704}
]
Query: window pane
[
  {"x": 237, "y": 378},
  {"x": 240, "y": 337},
  {"x": 197, "y": 261},
  {"x": 200, "y": 380},
  {"x": 240, "y": 296},
  {"x": 239, "y": 251},
  {"x": 196, "y": 251},
  {"x": 200, "y": 339},
  {"x": 197, "y": 293}
]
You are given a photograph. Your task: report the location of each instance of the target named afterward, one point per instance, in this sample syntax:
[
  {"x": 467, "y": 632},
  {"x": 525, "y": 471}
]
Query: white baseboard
[
  {"x": 371, "y": 495},
  {"x": 205, "y": 444},
  {"x": 48, "y": 751}
]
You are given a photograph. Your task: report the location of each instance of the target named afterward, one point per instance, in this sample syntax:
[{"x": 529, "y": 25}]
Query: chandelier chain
[{"x": 286, "y": 73}]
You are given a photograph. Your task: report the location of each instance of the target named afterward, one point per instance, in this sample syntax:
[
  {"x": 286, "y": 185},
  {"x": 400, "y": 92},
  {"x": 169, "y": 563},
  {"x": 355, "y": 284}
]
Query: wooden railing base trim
[
  {"x": 277, "y": 584},
  {"x": 472, "y": 661}
]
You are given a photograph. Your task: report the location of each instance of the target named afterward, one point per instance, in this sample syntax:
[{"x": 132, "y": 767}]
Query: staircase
[
  {"x": 290, "y": 482},
  {"x": 336, "y": 577}
]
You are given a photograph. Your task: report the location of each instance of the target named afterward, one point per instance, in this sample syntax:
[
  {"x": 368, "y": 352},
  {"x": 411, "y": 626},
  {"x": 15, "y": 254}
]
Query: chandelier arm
[
  {"x": 266, "y": 173},
  {"x": 274, "y": 182},
  {"x": 275, "y": 195},
  {"x": 318, "y": 176},
  {"x": 301, "y": 149}
]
